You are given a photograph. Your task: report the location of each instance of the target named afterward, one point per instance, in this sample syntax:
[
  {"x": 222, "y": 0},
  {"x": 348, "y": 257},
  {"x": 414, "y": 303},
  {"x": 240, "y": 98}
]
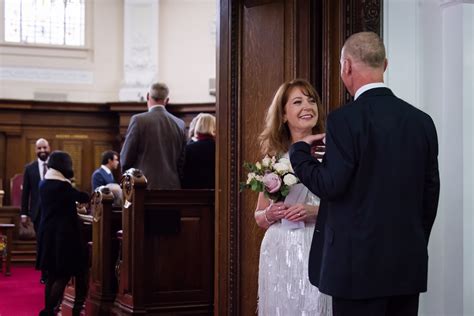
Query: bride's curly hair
[{"x": 275, "y": 137}]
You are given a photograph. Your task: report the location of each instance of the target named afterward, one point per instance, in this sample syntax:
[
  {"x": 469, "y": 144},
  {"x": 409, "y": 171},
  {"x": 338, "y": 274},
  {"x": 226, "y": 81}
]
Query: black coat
[
  {"x": 29, "y": 193},
  {"x": 200, "y": 164},
  {"x": 380, "y": 183},
  {"x": 61, "y": 250}
]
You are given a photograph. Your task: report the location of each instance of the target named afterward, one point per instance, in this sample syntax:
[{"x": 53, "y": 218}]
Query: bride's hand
[
  {"x": 298, "y": 212},
  {"x": 275, "y": 212}
]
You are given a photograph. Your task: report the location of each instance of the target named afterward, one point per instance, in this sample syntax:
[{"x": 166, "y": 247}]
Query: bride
[{"x": 283, "y": 283}]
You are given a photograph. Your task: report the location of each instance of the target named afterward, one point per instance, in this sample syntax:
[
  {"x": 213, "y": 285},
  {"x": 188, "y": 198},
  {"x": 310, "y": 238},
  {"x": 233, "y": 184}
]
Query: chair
[{"x": 16, "y": 186}]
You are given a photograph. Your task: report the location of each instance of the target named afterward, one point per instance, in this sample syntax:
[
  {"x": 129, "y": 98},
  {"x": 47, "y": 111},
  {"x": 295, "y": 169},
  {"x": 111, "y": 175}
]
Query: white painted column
[
  {"x": 468, "y": 154},
  {"x": 451, "y": 159},
  {"x": 430, "y": 47},
  {"x": 140, "y": 48}
]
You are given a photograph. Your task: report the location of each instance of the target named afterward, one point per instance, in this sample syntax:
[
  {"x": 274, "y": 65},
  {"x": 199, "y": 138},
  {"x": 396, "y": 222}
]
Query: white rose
[
  {"x": 259, "y": 178},
  {"x": 258, "y": 165},
  {"x": 290, "y": 179},
  {"x": 266, "y": 161},
  {"x": 250, "y": 177},
  {"x": 281, "y": 168},
  {"x": 286, "y": 161}
]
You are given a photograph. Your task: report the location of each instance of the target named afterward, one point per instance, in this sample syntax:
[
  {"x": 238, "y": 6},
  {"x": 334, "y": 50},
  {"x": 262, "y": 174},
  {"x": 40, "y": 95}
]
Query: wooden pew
[
  {"x": 67, "y": 303},
  {"x": 167, "y": 250},
  {"x": 107, "y": 220}
]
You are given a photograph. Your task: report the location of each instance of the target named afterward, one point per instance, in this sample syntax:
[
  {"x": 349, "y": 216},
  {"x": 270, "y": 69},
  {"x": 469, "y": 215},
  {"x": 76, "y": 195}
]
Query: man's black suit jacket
[
  {"x": 29, "y": 194},
  {"x": 379, "y": 182}
]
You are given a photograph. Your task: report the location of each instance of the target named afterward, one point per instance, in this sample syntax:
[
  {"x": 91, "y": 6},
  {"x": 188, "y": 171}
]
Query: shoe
[{"x": 44, "y": 277}]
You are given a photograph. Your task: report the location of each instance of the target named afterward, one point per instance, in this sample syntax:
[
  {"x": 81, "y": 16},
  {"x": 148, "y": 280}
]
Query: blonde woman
[
  {"x": 199, "y": 166},
  {"x": 283, "y": 283}
]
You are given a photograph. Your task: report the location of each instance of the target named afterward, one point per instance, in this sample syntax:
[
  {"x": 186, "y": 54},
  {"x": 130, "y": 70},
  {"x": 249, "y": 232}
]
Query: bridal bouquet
[{"x": 273, "y": 176}]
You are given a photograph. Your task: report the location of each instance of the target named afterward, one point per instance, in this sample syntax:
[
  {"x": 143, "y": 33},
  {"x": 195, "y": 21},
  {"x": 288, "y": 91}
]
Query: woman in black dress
[
  {"x": 61, "y": 251},
  {"x": 200, "y": 163}
]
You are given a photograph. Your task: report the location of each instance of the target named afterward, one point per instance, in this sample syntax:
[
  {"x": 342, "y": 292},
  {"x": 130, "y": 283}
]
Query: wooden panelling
[
  {"x": 264, "y": 64},
  {"x": 83, "y": 129},
  {"x": 75, "y": 149}
]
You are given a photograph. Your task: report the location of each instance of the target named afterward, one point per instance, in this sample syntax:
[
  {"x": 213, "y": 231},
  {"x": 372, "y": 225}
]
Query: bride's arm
[{"x": 267, "y": 213}]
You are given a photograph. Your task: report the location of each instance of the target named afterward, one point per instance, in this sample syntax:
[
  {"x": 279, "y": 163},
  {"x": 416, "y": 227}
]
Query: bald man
[
  {"x": 33, "y": 174},
  {"x": 379, "y": 181}
]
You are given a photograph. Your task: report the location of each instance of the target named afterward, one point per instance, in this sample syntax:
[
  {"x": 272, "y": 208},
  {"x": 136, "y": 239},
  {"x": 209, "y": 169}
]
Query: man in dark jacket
[
  {"x": 155, "y": 142},
  {"x": 380, "y": 184},
  {"x": 34, "y": 172},
  {"x": 103, "y": 175}
]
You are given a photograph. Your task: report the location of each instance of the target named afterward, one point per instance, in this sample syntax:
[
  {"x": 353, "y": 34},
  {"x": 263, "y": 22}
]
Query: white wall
[
  {"x": 429, "y": 47},
  {"x": 187, "y": 52},
  {"x": 468, "y": 149},
  {"x": 186, "y": 56},
  {"x": 90, "y": 74}
]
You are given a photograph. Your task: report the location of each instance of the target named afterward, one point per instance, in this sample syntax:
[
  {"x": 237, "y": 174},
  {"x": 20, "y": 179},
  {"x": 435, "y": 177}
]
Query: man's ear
[
  {"x": 148, "y": 96},
  {"x": 165, "y": 102},
  {"x": 348, "y": 66},
  {"x": 385, "y": 64}
]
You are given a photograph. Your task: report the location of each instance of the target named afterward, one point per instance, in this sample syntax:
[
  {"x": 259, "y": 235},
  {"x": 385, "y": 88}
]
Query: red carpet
[{"x": 21, "y": 294}]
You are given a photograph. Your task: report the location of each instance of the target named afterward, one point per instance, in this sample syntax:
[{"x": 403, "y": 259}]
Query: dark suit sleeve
[
  {"x": 25, "y": 193},
  {"x": 128, "y": 155},
  {"x": 329, "y": 179},
  {"x": 432, "y": 183}
]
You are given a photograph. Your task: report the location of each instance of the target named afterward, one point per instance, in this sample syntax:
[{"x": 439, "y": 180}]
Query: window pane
[
  {"x": 58, "y": 22},
  {"x": 12, "y": 25}
]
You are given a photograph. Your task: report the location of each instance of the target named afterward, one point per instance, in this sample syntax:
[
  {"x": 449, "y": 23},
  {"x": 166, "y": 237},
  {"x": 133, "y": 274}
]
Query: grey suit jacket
[{"x": 154, "y": 144}]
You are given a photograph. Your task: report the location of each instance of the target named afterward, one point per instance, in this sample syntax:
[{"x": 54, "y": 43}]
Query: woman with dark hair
[{"x": 61, "y": 251}]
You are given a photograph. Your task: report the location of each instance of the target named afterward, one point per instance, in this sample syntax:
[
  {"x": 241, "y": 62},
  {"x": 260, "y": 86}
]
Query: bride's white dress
[{"x": 284, "y": 288}]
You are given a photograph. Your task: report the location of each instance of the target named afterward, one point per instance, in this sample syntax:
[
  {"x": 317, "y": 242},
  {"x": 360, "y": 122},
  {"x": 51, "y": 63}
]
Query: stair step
[{"x": 23, "y": 252}]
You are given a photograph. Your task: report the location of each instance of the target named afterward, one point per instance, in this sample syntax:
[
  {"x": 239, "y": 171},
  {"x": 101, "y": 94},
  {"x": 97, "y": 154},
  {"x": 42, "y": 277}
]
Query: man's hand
[
  {"x": 24, "y": 220},
  {"x": 310, "y": 139}
]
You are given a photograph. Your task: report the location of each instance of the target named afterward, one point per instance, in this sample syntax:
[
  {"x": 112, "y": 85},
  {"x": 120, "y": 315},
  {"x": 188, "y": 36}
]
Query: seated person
[
  {"x": 199, "y": 166},
  {"x": 192, "y": 126},
  {"x": 103, "y": 175},
  {"x": 117, "y": 193}
]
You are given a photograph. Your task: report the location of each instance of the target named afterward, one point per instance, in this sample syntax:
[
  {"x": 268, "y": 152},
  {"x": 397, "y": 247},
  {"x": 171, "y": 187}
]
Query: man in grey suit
[{"x": 155, "y": 142}]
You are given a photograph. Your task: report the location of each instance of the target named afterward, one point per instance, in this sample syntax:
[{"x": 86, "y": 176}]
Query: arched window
[{"x": 55, "y": 22}]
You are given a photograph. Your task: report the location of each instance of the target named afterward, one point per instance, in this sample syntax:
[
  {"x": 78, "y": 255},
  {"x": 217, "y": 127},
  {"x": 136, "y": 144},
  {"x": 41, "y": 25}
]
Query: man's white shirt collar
[
  {"x": 106, "y": 169},
  {"x": 367, "y": 87}
]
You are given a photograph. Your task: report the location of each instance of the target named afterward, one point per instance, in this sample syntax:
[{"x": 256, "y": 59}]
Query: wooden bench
[
  {"x": 167, "y": 262},
  {"x": 107, "y": 220}
]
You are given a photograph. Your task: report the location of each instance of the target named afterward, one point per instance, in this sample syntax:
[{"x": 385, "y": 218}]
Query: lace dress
[{"x": 284, "y": 288}]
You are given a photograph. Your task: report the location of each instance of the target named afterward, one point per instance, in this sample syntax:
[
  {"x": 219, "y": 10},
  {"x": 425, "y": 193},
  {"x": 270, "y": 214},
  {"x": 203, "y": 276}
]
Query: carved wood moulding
[
  {"x": 363, "y": 15},
  {"x": 234, "y": 257}
]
